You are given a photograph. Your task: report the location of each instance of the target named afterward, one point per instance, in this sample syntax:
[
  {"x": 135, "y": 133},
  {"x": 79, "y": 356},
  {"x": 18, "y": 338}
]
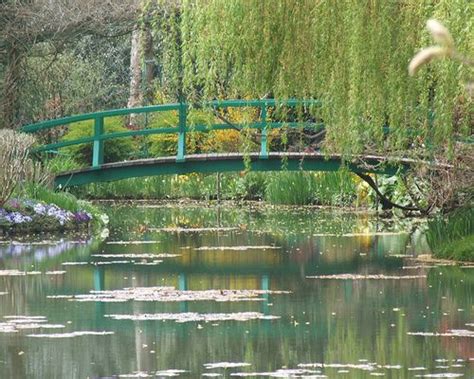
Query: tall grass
[
  {"x": 64, "y": 200},
  {"x": 335, "y": 188},
  {"x": 452, "y": 237},
  {"x": 156, "y": 187},
  {"x": 303, "y": 188},
  {"x": 291, "y": 188}
]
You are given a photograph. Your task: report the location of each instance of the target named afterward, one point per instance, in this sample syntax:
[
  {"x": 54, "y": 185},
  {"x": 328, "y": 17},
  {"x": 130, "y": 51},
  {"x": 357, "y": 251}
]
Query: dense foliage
[
  {"x": 114, "y": 150},
  {"x": 351, "y": 54}
]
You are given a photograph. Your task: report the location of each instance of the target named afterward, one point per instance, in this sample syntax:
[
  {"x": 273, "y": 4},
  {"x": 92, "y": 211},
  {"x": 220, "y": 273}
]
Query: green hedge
[{"x": 114, "y": 150}]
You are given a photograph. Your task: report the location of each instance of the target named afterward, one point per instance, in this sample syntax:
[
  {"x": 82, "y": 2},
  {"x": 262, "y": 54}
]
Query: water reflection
[{"x": 362, "y": 324}]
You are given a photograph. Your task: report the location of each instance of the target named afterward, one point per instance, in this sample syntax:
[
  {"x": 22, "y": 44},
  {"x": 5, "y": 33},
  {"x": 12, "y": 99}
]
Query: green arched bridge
[{"x": 183, "y": 163}]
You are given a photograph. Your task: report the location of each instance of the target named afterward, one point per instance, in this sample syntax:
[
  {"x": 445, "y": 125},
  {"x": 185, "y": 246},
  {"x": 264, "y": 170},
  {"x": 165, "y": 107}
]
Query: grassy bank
[{"x": 452, "y": 236}]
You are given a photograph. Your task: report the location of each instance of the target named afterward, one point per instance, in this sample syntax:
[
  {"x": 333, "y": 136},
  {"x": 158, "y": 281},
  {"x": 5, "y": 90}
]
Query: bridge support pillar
[
  {"x": 182, "y": 133},
  {"x": 98, "y": 147},
  {"x": 263, "y": 136}
]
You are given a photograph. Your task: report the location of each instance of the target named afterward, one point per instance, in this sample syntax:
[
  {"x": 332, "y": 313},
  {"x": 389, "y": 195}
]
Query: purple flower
[
  {"x": 17, "y": 218},
  {"x": 14, "y": 203},
  {"x": 82, "y": 216},
  {"x": 39, "y": 209}
]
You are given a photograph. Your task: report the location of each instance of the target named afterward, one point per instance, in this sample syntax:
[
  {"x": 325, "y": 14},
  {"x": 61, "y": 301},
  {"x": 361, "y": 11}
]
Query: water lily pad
[{"x": 193, "y": 317}]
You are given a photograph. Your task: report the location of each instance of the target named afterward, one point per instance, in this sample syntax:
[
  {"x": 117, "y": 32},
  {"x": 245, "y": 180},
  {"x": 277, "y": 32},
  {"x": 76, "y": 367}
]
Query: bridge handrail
[
  {"x": 48, "y": 124},
  {"x": 99, "y": 136}
]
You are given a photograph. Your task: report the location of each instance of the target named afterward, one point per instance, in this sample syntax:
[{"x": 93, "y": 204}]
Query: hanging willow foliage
[{"x": 353, "y": 55}]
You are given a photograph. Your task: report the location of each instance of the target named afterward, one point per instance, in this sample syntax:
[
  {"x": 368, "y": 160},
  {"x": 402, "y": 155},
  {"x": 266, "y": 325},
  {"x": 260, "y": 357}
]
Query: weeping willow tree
[{"x": 352, "y": 55}]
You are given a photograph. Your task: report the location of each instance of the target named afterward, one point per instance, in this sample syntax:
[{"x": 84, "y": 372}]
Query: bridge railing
[{"x": 181, "y": 129}]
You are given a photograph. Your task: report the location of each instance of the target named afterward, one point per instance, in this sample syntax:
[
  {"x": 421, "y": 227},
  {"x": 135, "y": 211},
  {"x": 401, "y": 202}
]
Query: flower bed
[{"x": 25, "y": 215}]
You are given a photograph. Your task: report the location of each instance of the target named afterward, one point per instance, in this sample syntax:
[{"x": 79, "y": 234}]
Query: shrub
[
  {"x": 14, "y": 148},
  {"x": 114, "y": 150},
  {"x": 243, "y": 185},
  {"x": 166, "y": 144},
  {"x": 61, "y": 163},
  {"x": 222, "y": 141}
]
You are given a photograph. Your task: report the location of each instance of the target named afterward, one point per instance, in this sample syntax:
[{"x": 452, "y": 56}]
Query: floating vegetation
[
  {"x": 59, "y": 297},
  {"x": 131, "y": 242},
  {"x": 237, "y": 248},
  {"x": 283, "y": 373},
  {"x": 170, "y": 294},
  {"x": 192, "y": 316},
  {"x": 138, "y": 374},
  {"x": 362, "y": 234},
  {"x": 212, "y": 366},
  {"x": 152, "y": 263},
  {"x": 194, "y": 230},
  {"x": 170, "y": 372},
  {"x": 137, "y": 256},
  {"x": 156, "y": 259},
  {"x": 12, "y": 273},
  {"x": 74, "y": 263},
  {"x": 18, "y": 273},
  {"x": 142, "y": 374},
  {"x": 450, "y": 333},
  {"x": 440, "y": 375},
  {"x": 370, "y": 366},
  {"x": 55, "y": 272},
  {"x": 111, "y": 262},
  {"x": 3, "y": 293},
  {"x": 366, "y": 277},
  {"x": 71, "y": 334},
  {"x": 16, "y": 323}
]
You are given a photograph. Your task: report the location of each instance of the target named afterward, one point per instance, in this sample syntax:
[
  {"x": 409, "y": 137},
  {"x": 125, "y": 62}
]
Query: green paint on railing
[
  {"x": 264, "y": 160},
  {"x": 182, "y": 133},
  {"x": 263, "y": 137},
  {"x": 99, "y": 136},
  {"x": 98, "y": 147}
]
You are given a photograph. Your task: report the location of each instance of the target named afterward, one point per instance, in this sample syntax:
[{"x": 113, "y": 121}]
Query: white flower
[{"x": 104, "y": 219}]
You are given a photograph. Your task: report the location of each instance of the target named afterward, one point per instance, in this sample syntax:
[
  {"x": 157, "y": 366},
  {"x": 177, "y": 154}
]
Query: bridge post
[
  {"x": 182, "y": 133},
  {"x": 98, "y": 147},
  {"x": 263, "y": 137}
]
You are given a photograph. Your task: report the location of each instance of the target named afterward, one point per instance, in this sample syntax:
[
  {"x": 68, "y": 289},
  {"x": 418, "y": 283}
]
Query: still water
[{"x": 225, "y": 292}]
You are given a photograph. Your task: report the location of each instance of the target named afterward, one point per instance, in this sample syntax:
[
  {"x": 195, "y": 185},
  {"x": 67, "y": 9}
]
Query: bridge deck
[{"x": 226, "y": 162}]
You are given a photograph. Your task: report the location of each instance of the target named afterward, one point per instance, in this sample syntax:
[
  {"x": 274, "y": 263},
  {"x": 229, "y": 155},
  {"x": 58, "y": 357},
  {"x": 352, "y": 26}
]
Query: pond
[{"x": 189, "y": 291}]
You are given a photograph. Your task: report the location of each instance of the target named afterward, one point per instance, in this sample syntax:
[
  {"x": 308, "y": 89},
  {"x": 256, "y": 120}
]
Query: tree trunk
[
  {"x": 149, "y": 64},
  {"x": 10, "y": 97},
  {"x": 135, "y": 97}
]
